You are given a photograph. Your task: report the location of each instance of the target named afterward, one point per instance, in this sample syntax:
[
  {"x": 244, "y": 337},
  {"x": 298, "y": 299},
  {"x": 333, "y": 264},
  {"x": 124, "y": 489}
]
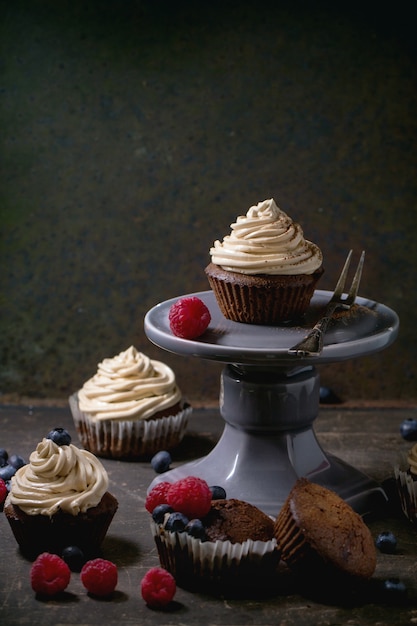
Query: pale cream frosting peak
[
  {"x": 58, "y": 478},
  {"x": 129, "y": 386},
  {"x": 266, "y": 241}
]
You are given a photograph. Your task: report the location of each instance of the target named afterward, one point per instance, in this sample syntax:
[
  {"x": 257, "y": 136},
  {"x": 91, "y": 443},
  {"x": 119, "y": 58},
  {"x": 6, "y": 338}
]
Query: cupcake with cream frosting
[
  {"x": 60, "y": 499},
  {"x": 132, "y": 407},
  {"x": 264, "y": 271}
]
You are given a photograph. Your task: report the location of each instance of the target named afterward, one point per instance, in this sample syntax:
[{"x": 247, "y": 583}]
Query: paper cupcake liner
[
  {"x": 263, "y": 300},
  {"x": 129, "y": 439},
  {"x": 407, "y": 492},
  {"x": 192, "y": 561},
  {"x": 295, "y": 550},
  {"x": 42, "y": 533}
]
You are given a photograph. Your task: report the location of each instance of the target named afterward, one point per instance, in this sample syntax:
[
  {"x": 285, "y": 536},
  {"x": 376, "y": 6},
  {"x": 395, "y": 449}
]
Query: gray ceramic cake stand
[{"x": 269, "y": 400}]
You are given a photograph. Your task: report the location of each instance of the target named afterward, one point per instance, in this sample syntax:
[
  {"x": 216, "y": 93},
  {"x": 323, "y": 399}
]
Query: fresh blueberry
[
  {"x": 196, "y": 529},
  {"x": 394, "y": 589},
  {"x": 328, "y": 396},
  {"x": 386, "y": 542},
  {"x": 176, "y": 522},
  {"x": 217, "y": 493},
  {"x": 161, "y": 461},
  {"x": 408, "y": 429},
  {"x": 74, "y": 558},
  {"x": 6, "y": 472},
  {"x": 16, "y": 461},
  {"x": 60, "y": 436},
  {"x": 158, "y": 514}
]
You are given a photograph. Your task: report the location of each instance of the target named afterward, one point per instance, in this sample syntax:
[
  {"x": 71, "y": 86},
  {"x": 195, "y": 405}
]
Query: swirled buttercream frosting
[
  {"x": 59, "y": 478},
  {"x": 412, "y": 459},
  {"x": 129, "y": 386},
  {"x": 266, "y": 241}
]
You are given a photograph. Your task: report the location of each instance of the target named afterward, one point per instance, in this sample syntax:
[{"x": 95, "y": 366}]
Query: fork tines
[
  {"x": 312, "y": 344},
  {"x": 354, "y": 288}
]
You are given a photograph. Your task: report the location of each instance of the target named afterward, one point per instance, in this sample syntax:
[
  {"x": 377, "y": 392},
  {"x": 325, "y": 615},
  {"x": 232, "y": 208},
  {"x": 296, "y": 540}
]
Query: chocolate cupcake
[
  {"x": 130, "y": 409},
  {"x": 237, "y": 521},
  {"x": 265, "y": 271},
  {"x": 319, "y": 533},
  {"x": 234, "y": 547},
  {"x": 60, "y": 499}
]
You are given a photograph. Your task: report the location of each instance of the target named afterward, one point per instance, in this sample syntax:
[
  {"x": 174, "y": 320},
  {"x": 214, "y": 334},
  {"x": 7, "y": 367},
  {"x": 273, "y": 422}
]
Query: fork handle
[{"x": 312, "y": 344}]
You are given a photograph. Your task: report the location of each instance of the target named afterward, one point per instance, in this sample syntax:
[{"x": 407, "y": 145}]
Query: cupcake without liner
[
  {"x": 130, "y": 409},
  {"x": 221, "y": 562},
  {"x": 264, "y": 272},
  {"x": 406, "y": 479},
  {"x": 60, "y": 499}
]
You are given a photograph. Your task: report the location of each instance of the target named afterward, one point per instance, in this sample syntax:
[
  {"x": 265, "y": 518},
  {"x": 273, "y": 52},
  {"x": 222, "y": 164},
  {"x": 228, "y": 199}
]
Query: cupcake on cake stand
[{"x": 269, "y": 399}]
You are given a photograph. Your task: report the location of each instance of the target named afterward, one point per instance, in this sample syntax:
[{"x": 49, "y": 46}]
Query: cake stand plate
[{"x": 269, "y": 400}]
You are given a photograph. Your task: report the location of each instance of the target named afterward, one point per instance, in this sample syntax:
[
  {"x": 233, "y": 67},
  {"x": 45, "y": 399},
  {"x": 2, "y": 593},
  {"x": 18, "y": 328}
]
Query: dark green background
[{"x": 132, "y": 135}]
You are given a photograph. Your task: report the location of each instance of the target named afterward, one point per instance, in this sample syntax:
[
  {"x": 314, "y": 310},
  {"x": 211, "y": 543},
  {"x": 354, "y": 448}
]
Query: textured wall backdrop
[{"x": 133, "y": 133}]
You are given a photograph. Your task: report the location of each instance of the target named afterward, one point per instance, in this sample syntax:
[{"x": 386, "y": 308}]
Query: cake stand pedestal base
[{"x": 269, "y": 441}]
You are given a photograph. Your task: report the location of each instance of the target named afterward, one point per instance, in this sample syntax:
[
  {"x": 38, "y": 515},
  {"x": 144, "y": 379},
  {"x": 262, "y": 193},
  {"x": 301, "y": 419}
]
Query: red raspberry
[
  {"x": 99, "y": 577},
  {"x": 157, "y": 495},
  {"x": 158, "y": 587},
  {"x": 189, "y": 317},
  {"x": 3, "y": 491},
  {"x": 190, "y": 496},
  {"x": 49, "y": 574}
]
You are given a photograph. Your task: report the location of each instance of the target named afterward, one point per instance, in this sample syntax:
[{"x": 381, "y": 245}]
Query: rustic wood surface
[{"x": 367, "y": 438}]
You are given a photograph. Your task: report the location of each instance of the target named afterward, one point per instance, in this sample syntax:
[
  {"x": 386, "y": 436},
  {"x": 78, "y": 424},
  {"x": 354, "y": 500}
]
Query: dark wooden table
[{"x": 367, "y": 438}]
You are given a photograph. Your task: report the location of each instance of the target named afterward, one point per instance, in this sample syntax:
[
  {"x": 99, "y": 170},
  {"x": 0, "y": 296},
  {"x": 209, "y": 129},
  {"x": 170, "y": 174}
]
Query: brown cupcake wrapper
[
  {"x": 294, "y": 548},
  {"x": 42, "y": 533},
  {"x": 190, "y": 560},
  {"x": 129, "y": 439},
  {"x": 265, "y": 303}
]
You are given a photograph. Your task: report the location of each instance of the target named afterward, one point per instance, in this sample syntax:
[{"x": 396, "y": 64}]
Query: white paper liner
[
  {"x": 407, "y": 490},
  {"x": 215, "y": 561},
  {"x": 126, "y": 439}
]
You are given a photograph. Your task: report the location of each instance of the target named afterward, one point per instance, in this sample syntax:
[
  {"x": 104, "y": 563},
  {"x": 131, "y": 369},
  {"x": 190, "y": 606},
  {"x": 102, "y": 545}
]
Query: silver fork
[{"x": 312, "y": 344}]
